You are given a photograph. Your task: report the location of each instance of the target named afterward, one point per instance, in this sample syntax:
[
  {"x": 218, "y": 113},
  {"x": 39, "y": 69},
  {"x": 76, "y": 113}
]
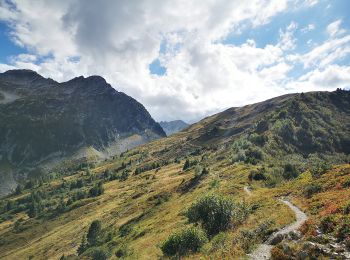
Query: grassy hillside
[{"x": 286, "y": 146}]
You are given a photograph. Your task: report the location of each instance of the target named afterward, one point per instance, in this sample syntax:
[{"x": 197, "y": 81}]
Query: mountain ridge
[{"x": 50, "y": 120}]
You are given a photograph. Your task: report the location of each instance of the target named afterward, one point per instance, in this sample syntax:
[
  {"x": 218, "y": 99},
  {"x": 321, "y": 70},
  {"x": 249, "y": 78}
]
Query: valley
[{"x": 143, "y": 203}]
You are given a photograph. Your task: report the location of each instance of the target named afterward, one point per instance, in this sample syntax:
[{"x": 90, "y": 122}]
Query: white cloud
[
  {"x": 287, "y": 39},
  {"x": 333, "y": 29},
  {"x": 325, "y": 53},
  {"x": 332, "y": 77},
  {"x": 119, "y": 39},
  {"x": 310, "y": 27}
]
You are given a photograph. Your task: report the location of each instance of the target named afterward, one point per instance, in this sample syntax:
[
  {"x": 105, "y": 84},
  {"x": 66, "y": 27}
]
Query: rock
[
  {"x": 286, "y": 249},
  {"x": 302, "y": 255},
  {"x": 308, "y": 245},
  {"x": 277, "y": 239},
  {"x": 294, "y": 235}
]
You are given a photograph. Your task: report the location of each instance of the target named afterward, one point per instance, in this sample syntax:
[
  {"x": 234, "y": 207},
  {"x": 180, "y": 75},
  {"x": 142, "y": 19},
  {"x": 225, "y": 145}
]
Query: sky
[{"x": 183, "y": 59}]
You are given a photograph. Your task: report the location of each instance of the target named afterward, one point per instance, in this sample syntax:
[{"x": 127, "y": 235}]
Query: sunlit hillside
[{"x": 215, "y": 191}]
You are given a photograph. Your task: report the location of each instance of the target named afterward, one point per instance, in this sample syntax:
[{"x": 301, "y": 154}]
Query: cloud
[
  {"x": 310, "y": 27},
  {"x": 325, "y": 53},
  {"x": 287, "y": 39},
  {"x": 333, "y": 29},
  {"x": 332, "y": 77},
  {"x": 119, "y": 39}
]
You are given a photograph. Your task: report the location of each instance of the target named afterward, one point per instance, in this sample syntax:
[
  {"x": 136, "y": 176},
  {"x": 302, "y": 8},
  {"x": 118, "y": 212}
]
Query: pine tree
[
  {"x": 19, "y": 189},
  {"x": 83, "y": 246},
  {"x": 186, "y": 165},
  {"x": 94, "y": 232}
]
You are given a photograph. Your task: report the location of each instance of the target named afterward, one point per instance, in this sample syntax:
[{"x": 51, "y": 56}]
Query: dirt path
[{"x": 264, "y": 250}]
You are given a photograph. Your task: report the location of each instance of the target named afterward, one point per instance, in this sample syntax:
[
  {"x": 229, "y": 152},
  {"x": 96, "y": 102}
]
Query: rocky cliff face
[{"x": 43, "y": 121}]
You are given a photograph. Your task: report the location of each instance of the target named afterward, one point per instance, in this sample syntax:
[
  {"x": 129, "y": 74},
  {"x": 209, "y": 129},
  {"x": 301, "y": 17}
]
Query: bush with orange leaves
[
  {"x": 308, "y": 228},
  {"x": 278, "y": 254}
]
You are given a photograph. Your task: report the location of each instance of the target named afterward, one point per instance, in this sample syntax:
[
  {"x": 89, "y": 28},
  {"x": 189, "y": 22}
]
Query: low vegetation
[{"x": 183, "y": 196}]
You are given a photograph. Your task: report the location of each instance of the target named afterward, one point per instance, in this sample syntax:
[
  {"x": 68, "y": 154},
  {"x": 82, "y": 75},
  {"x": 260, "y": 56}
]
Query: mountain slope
[
  {"x": 172, "y": 127},
  {"x": 278, "y": 147},
  {"x": 43, "y": 121}
]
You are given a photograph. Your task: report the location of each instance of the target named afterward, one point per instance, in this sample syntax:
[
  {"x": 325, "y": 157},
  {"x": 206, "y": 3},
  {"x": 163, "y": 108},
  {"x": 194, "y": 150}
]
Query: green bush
[
  {"x": 343, "y": 231},
  {"x": 319, "y": 167},
  {"x": 285, "y": 129},
  {"x": 346, "y": 209},
  {"x": 99, "y": 254},
  {"x": 123, "y": 251},
  {"x": 253, "y": 155},
  {"x": 241, "y": 144},
  {"x": 238, "y": 157},
  {"x": 188, "y": 240},
  {"x": 257, "y": 175},
  {"x": 213, "y": 212},
  {"x": 96, "y": 190},
  {"x": 258, "y": 139},
  {"x": 327, "y": 224},
  {"x": 312, "y": 189},
  {"x": 290, "y": 171},
  {"x": 274, "y": 177},
  {"x": 262, "y": 126}
]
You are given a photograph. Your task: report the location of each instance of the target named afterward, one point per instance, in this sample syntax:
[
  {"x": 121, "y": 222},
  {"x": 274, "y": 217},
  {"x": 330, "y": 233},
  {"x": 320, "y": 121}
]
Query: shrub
[
  {"x": 83, "y": 246},
  {"x": 213, "y": 212},
  {"x": 99, "y": 254},
  {"x": 124, "y": 176},
  {"x": 214, "y": 184},
  {"x": 241, "y": 144},
  {"x": 258, "y": 139},
  {"x": 219, "y": 241},
  {"x": 278, "y": 254},
  {"x": 250, "y": 237},
  {"x": 19, "y": 189},
  {"x": 238, "y": 157},
  {"x": 186, "y": 165},
  {"x": 346, "y": 184},
  {"x": 285, "y": 129},
  {"x": 290, "y": 171},
  {"x": 262, "y": 126},
  {"x": 94, "y": 232},
  {"x": 253, "y": 155},
  {"x": 200, "y": 171},
  {"x": 343, "y": 231},
  {"x": 188, "y": 240},
  {"x": 319, "y": 167},
  {"x": 97, "y": 190},
  {"x": 312, "y": 189},
  {"x": 346, "y": 209},
  {"x": 123, "y": 251},
  {"x": 274, "y": 177},
  {"x": 258, "y": 175},
  {"x": 327, "y": 224}
]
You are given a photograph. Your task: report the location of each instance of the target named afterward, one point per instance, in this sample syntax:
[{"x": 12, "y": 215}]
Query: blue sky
[{"x": 206, "y": 57}]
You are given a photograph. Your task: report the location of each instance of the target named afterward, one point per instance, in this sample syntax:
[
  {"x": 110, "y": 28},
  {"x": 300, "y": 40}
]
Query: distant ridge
[{"x": 171, "y": 127}]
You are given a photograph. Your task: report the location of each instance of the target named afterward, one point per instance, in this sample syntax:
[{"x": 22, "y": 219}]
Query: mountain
[
  {"x": 44, "y": 122},
  {"x": 219, "y": 189},
  {"x": 172, "y": 127}
]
